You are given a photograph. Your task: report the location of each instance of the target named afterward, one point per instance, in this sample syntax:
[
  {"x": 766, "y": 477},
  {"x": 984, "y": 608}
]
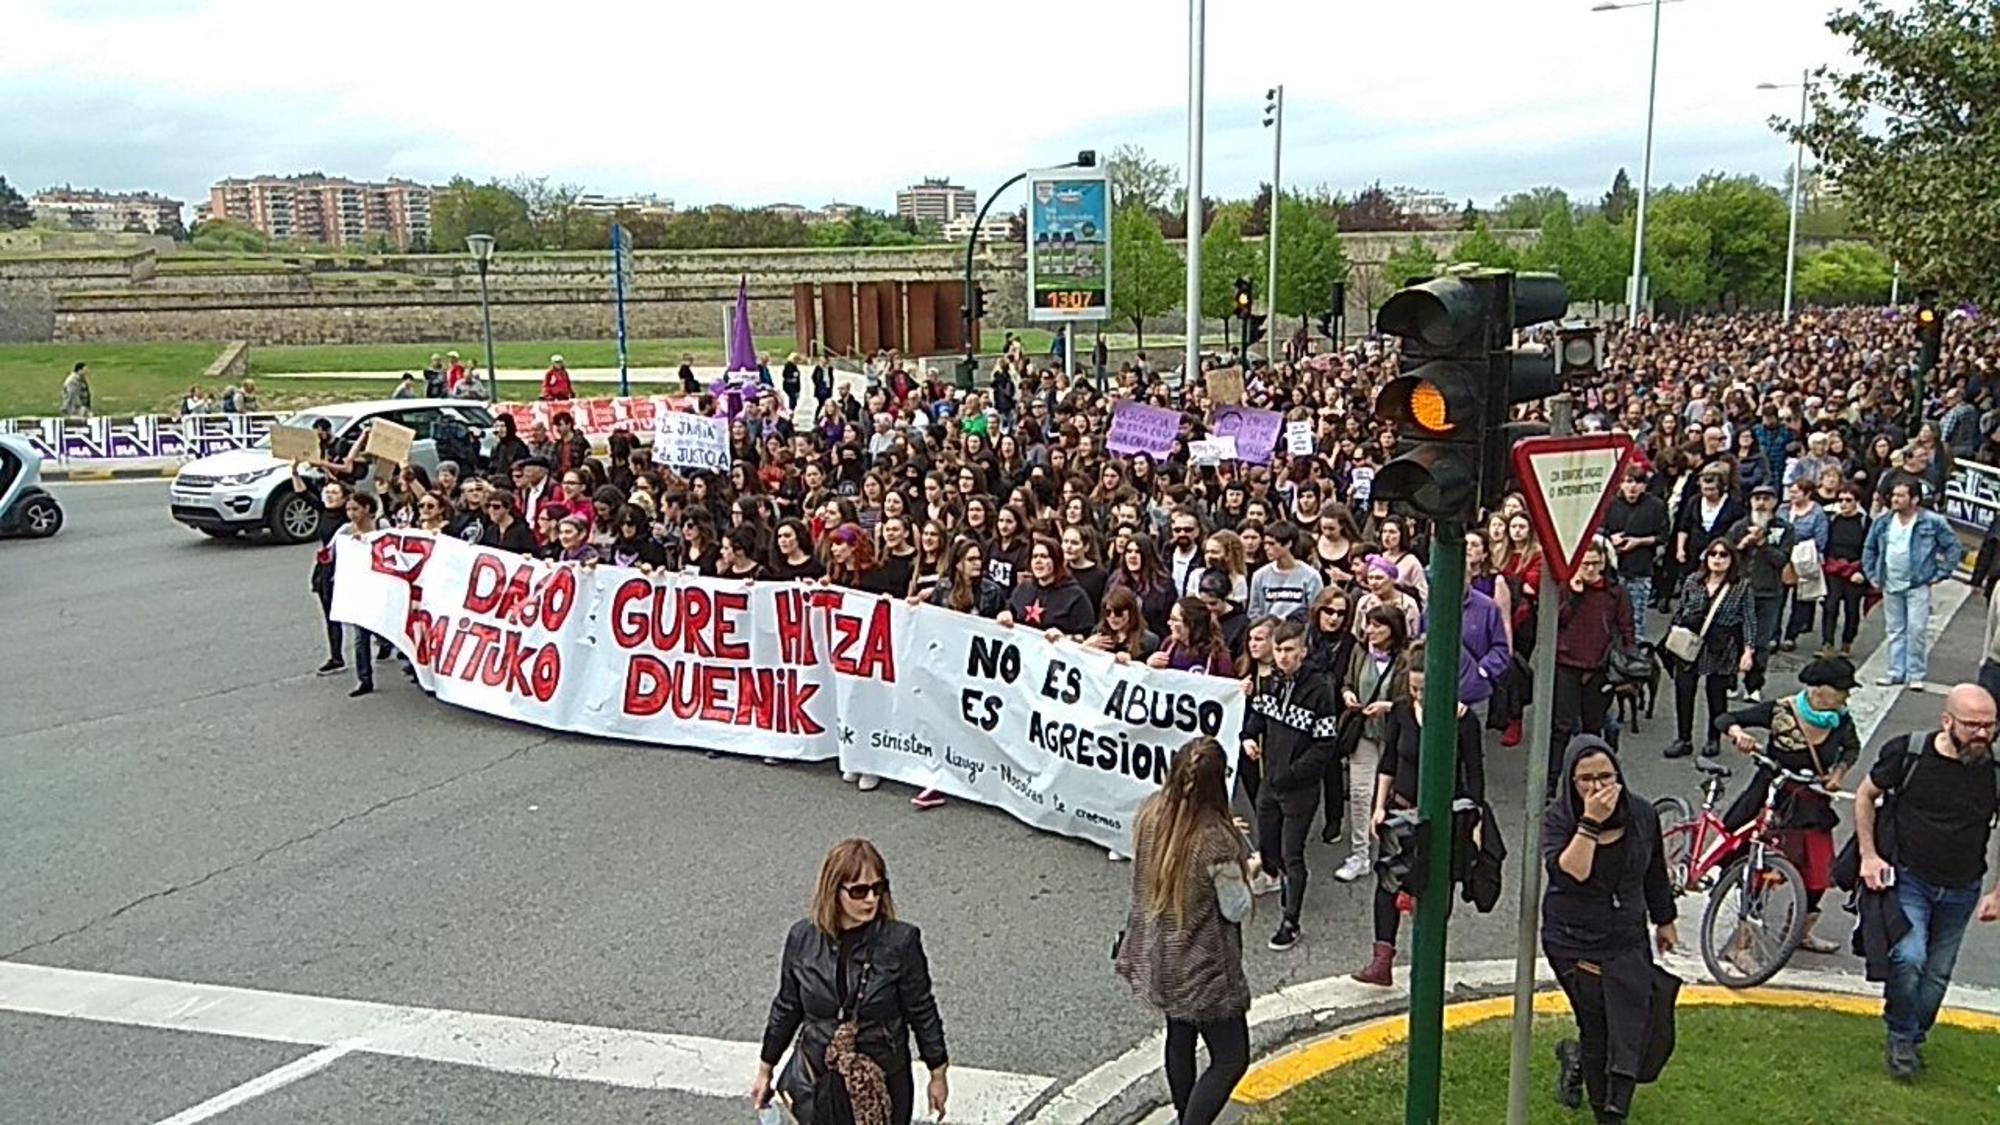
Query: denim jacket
[{"x": 1935, "y": 551}]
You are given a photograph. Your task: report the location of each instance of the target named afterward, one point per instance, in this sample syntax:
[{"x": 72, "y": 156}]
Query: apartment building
[
  {"x": 85, "y": 209},
  {"x": 326, "y": 209},
  {"x": 935, "y": 201}
]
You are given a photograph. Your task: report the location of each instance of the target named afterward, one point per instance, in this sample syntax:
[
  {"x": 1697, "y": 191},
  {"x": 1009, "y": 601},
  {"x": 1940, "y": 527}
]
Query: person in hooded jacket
[
  {"x": 1607, "y": 876},
  {"x": 1289, "y": 727}
]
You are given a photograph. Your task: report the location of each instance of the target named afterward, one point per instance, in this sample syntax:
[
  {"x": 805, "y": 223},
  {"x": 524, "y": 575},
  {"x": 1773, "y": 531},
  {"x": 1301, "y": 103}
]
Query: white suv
[{"x": 241, "y": 490}]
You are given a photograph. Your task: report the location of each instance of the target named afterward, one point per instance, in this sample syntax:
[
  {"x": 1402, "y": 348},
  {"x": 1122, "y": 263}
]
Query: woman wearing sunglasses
[
  {"x": 1715, "y": 608},
  {"x": 854, "y": 985}
]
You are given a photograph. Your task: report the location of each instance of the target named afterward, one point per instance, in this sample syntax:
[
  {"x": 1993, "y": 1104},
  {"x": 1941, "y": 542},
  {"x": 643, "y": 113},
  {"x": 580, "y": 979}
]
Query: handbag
[
  {"x": 1347, "y": 736},
  {"x": 1685, "y": 643},
  {"x": 831, "y": 1102}
]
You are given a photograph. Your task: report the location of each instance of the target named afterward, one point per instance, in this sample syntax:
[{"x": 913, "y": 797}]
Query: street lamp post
[
  {"x": 1635, "y": 289},
  {"x": 481, "y": 246},
  {"x": 1798, "y": 174},
  {"x": 1197, "y": 43},
  {"x": 1274, "y": 120}
]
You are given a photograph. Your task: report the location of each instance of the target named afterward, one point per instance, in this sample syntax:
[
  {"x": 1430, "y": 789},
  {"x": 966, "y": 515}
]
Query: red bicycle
[{"x": 1756, "y": 912}]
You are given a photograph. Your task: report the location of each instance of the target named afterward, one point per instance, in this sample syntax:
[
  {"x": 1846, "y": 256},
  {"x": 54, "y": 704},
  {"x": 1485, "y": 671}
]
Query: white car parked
[{"x": 225, "y": 494}]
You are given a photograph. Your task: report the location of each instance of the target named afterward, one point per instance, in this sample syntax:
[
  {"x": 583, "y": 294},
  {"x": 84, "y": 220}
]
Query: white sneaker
[
  {"x": 1114, "y": 857},
  {"x": 1262, "y": 884},
  {"x": 1754, "y": 696},
  {"x": 848, "y": 777},
  {"x": 867, "y": 782},
  {"x": 1888, "y": 681},
  {"x": 1918, "y": 685},
  {"x": 1354, "y": 867}
]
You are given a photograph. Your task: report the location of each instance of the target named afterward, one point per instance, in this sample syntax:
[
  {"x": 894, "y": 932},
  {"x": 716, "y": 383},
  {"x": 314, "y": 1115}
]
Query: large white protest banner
[
  {"x": 691, "y": 441},
  {"x": 1062, "y": 737}
]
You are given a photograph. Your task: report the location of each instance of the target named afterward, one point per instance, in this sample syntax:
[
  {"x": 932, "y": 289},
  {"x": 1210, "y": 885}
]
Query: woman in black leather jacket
[{"x": 850, "y": 958}]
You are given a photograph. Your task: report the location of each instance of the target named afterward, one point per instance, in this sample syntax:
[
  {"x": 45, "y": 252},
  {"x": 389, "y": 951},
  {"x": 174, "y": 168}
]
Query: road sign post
[
  {"x": 1568, "y": 483},
  {"x": 621, "y": 277}
]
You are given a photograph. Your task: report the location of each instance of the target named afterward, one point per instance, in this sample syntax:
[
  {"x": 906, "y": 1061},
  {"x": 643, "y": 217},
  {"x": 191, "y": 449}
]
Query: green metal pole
[{"x": 1437, "y": 772}]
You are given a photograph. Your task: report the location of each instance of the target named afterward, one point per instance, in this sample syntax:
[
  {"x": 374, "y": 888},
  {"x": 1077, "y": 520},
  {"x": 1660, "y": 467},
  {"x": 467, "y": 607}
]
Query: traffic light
[
  {"x": 1460, "y": 379},
  {"x": 1243, "y": 295},
  {"x": 979, "y": 303},
  {"x": 1253, "y": 329},
  {"x": 1930, "y": 331},
  {"x": 1336, "y": 311},
  {"x": 1579, "y": 352}
]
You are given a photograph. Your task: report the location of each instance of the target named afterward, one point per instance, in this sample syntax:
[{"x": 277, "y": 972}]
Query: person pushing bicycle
[{"x": 1810, "y": 731}]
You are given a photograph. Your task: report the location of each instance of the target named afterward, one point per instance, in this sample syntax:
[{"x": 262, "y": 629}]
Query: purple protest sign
[
  {"x": 1256, "y": 431},
  {"x": 1138, "y": 428}
]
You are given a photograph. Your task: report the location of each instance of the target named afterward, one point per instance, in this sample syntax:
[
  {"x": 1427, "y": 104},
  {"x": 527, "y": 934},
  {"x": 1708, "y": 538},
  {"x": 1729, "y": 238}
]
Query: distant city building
[
  {"x": 791, "y": 211},
  {"x": 649, "y": 206},
  {"x": 1422, "y": 202},
  {"x": 134, "y": 211},
  {"x": 327, "y": 209},
  {"x": 995, "y": 229},
  {"x": 935, "y": 201},
  {"x": 838, "y": 212}
]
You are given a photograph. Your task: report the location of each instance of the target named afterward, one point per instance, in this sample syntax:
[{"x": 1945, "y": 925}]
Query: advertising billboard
[{"x": 1069, "y": 244}]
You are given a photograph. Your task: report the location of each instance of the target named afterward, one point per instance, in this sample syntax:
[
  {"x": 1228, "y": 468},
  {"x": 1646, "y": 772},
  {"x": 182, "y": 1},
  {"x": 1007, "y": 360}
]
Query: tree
[
  {"x": 1408, "y": 262},
  {"x": 228, "y": 235},
  {"x": 551, "y": 211},
  {"x": 1374, "y": 209},
  {"x": 1846, "y": 273},
  {"x": 14, "y": 210},
  {"x": 1310, "y": 258},
  {"x": 1138, "y": 179},
  {"x": 1744, "y": 223},
  {"x": 1147, "y": 275},
  {"x": 1621, "y": 200},
  {"x": 1530, "y": 208},
  {"x": 1909, "y": 135},
  {"x": 1480, "y": 246},
  {"x": 1590, "y": 256},
  {"x": 1468, "y": 218},
  {"x": 464, "y": 208},
  {"x": 1258, "y": 225},
  {"x": 1224, "y": 258}
]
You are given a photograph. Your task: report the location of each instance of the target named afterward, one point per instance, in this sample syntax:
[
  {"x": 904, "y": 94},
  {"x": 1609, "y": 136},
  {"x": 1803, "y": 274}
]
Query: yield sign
[{"x": 1568, "y": 483}]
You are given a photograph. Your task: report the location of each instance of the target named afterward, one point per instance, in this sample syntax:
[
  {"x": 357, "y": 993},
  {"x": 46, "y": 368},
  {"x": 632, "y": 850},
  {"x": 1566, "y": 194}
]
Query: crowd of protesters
[{"x": 1784, "y": 482}]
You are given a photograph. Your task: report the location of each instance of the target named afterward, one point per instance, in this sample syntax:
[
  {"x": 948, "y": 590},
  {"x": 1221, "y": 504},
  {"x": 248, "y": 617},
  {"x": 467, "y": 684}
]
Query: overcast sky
[{"x": 806, "y": 101}]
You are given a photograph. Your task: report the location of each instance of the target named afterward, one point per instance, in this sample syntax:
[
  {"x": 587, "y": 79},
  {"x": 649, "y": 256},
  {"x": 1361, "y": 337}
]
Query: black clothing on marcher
[
  {"x": 1065, "y": 606},
  {"x": 783, "y": 571},
  {"x": 516, "y": 538},
  {"x": 1608, "y": 911},
  {"x": 1294, "y": 720},
  {"x": 1645, "y": 520},
  {"x": 896, "y": 1002},
  {"x": 1944, "y": 812}
]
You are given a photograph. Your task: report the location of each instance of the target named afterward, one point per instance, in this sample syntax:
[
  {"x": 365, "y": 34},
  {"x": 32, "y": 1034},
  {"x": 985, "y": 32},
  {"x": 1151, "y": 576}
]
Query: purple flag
[{"x": 739, "y": 381}]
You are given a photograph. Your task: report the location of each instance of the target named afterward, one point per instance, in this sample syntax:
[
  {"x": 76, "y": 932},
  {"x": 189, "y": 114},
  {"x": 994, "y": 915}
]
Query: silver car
[{"x": 226, "y": 494}]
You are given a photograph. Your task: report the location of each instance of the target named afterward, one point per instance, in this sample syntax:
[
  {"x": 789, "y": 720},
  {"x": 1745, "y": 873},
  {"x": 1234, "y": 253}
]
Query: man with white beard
[{"x": 1766, "y": 543}]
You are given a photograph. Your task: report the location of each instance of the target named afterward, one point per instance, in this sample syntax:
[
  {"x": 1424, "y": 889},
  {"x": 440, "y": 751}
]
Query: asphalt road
[{"x": 187, "y": 802}]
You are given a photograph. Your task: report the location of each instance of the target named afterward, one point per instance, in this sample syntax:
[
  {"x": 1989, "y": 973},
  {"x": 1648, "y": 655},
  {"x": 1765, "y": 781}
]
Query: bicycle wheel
[
  {"x": 1754, "y": 920},
  {"x": 1676, "y": 839}
]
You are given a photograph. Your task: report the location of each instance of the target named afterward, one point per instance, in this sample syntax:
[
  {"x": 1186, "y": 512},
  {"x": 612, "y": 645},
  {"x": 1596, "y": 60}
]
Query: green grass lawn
[{"x": 1763, "y": 1065}]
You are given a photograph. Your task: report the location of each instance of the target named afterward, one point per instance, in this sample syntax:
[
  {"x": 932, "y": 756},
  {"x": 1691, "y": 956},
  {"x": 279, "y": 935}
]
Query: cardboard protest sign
[
  {"x": 1138, "y": 428},
  {"x": 294, "y": 443},
  {"x": 390, "y": 441},
  {"x": 1225, "y": 386},
  {"x": 691, "y": 441}
]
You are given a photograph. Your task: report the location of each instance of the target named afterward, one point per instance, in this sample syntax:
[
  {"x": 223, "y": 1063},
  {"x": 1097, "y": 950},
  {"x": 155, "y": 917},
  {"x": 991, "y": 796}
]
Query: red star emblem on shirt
[{"x": 1033, "y": 613}]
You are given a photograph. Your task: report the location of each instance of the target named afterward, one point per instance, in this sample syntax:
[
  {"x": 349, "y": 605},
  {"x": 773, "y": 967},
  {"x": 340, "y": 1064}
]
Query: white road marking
[
  {"x": 263, "y": 1084},
  {"x": 1870, "y": 704},
  {"x": 643, "y": 1060}
]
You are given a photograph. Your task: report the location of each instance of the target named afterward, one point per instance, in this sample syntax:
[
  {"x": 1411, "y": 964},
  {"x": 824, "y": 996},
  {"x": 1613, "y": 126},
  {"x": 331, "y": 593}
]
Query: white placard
[
  {"x": 1214, "y": 450},
  {"x": 691, "y": 441},
  {"x": 1299, "y": 438}
]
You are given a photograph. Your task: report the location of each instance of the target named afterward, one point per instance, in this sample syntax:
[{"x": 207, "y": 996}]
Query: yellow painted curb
[{"x": 1287, "y": 1069}]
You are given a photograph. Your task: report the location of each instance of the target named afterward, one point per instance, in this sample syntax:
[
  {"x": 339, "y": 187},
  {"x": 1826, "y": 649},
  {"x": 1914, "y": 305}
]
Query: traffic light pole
[
  {"x": 1539, "y": 722},
  {"x": 969, "y": 365},
  {"x": 1437, "y": 774}
]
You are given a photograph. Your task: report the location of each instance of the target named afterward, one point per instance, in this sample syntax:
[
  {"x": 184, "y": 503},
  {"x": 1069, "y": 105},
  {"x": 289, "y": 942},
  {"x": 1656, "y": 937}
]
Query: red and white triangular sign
[{"x": 1568, "y": 483}]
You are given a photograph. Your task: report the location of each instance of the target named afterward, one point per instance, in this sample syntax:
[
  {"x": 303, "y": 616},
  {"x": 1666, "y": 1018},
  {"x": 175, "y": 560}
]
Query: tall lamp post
[
  {"x": 481, "y": 246},
  {"x": 969, "y": 363},
  {"x": 1635, "y": 288},
  {"x": 1274, "y": 120},
  {"x": 1798, "y": 174},
  {"x": 1197, "y": 49}
]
